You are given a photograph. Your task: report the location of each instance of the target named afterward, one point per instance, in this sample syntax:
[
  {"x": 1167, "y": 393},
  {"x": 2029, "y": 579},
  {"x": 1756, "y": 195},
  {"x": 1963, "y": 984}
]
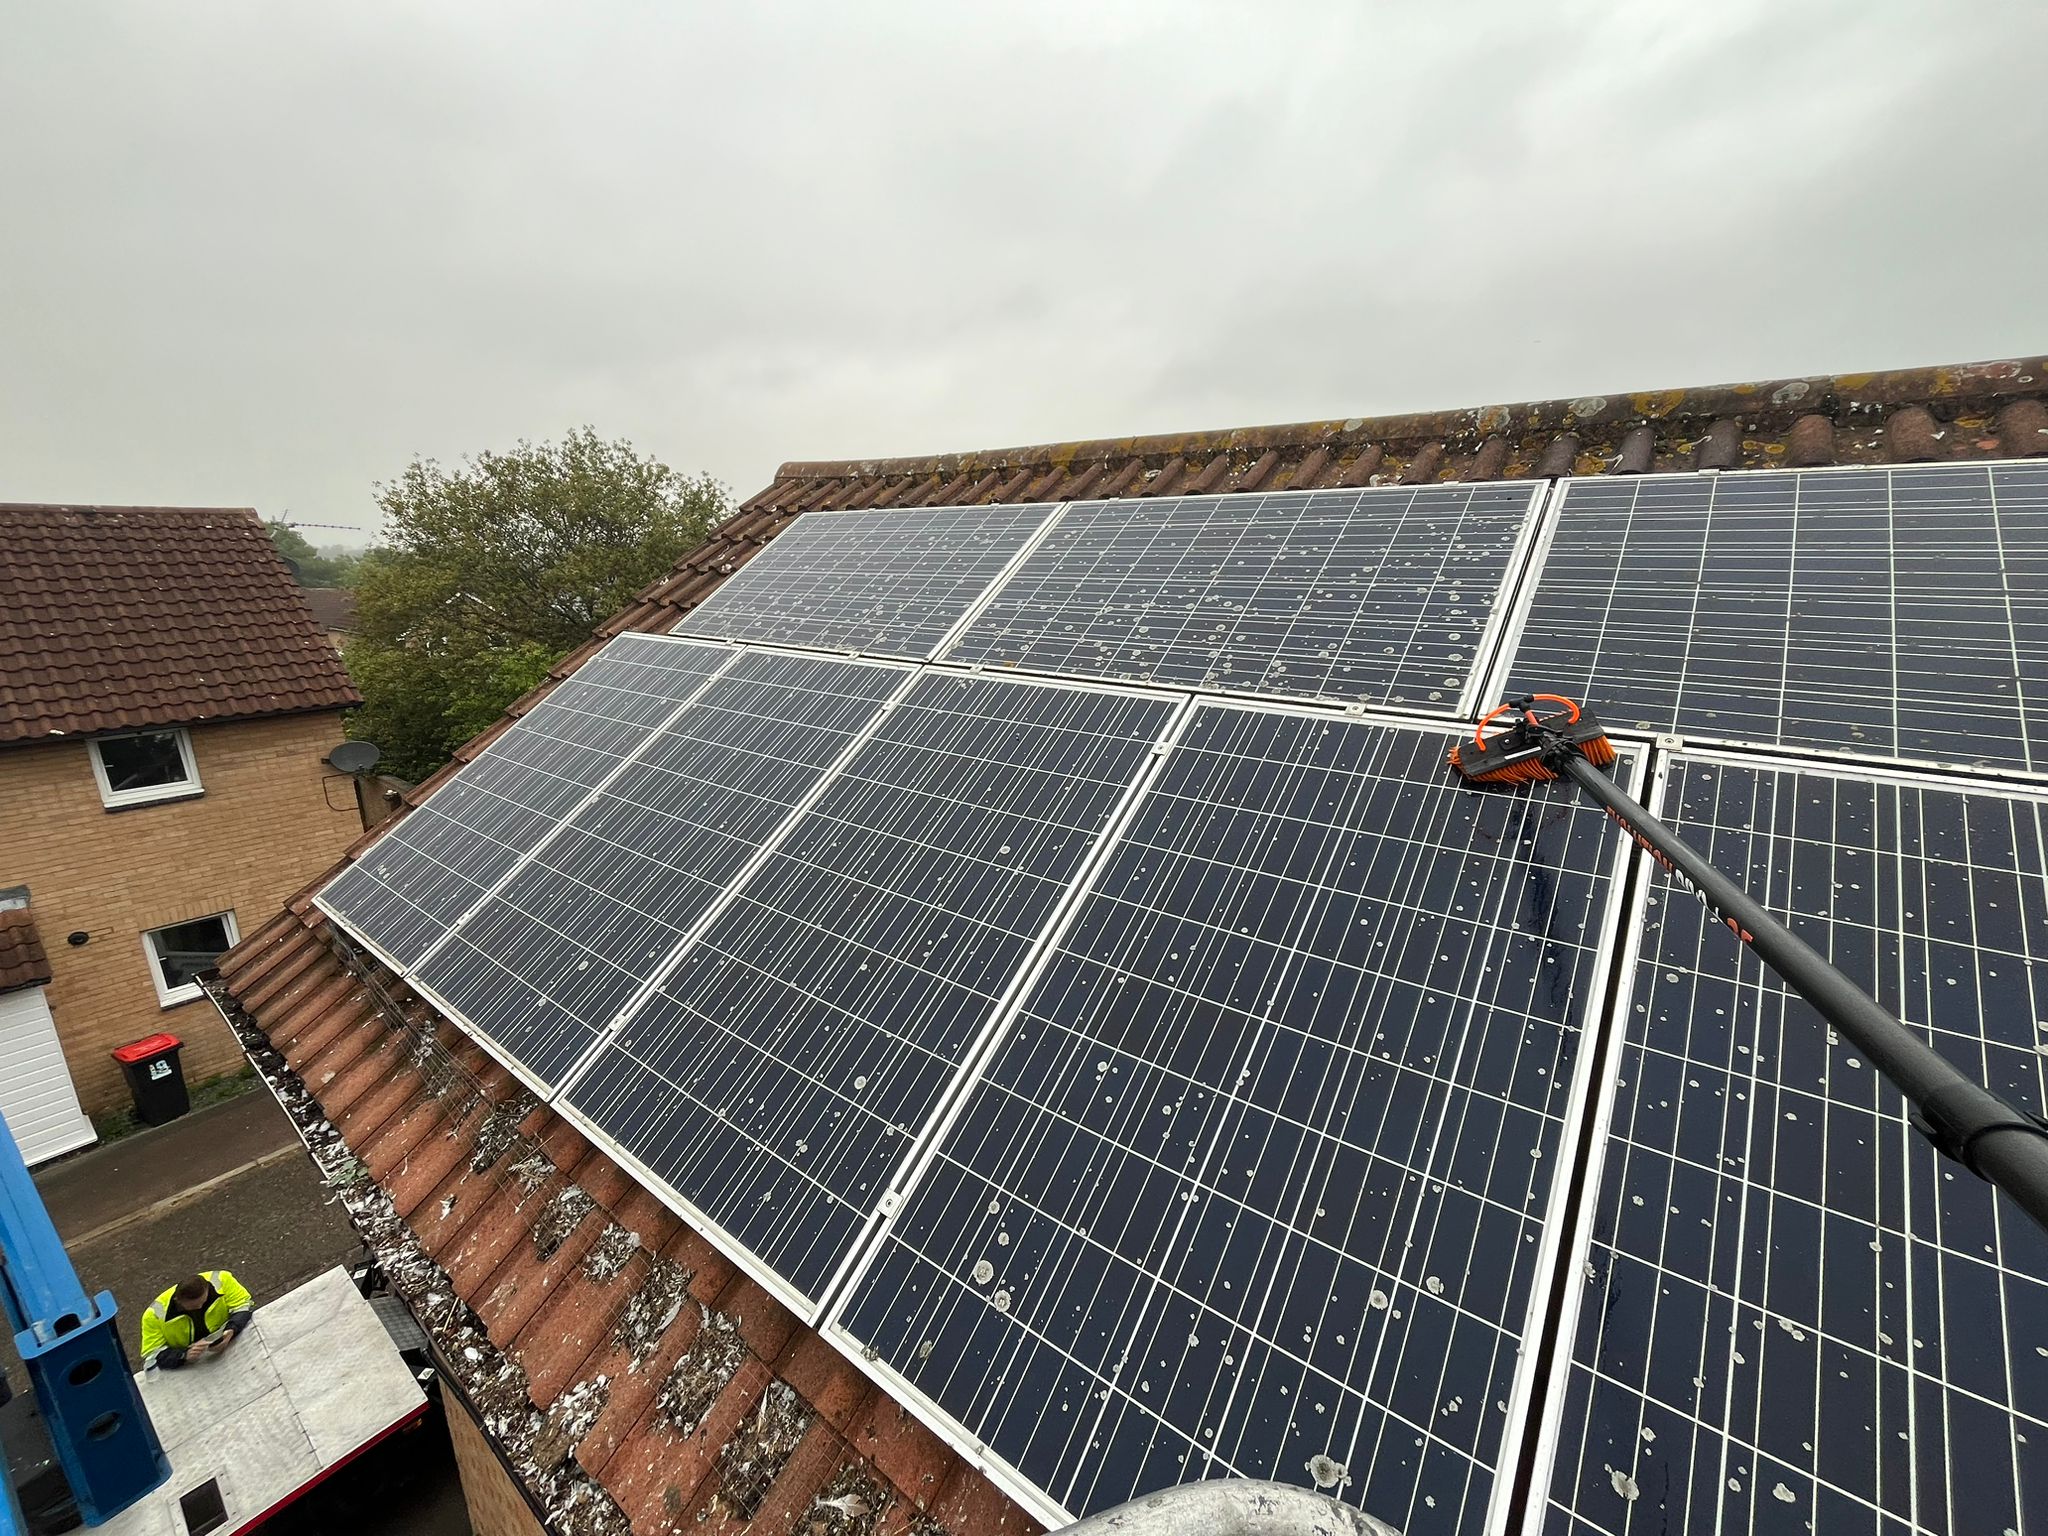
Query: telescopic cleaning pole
[{"x": 1964, "y": 1119}]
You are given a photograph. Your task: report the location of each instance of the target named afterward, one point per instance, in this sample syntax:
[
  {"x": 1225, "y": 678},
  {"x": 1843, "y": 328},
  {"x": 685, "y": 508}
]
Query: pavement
[{"x": 229, "y": 1186}]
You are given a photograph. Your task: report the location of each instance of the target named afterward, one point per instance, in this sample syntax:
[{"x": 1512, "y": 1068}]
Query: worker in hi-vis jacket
[{"x": 195, "y": 1318}]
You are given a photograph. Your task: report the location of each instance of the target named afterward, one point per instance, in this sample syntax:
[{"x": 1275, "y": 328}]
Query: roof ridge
[
  {"x": 91, "y": 507},
  {"x": 1823, "y": 393}
]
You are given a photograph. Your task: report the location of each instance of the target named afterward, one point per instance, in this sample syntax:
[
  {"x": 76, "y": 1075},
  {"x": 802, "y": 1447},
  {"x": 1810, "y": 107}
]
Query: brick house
[
  {"x": 613, "y": 1369},
  {"x": 166, "y": 700}
]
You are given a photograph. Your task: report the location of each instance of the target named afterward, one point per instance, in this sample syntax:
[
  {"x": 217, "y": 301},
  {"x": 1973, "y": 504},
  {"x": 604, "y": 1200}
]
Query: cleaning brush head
[{"x": 1526, "y": 751}]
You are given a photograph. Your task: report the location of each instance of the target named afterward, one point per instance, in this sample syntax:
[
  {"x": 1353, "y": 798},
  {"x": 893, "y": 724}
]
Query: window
[
  {"x": 149, "y": 765},
  {"x": 180, "y": 952}
]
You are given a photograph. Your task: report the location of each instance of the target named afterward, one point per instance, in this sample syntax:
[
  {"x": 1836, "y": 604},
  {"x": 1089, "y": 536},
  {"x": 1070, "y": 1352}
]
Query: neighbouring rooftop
[
  {"x": 334, "y": 608},
  {"x": 22, "y": 961},
  {"x": 123, "y": 618}
]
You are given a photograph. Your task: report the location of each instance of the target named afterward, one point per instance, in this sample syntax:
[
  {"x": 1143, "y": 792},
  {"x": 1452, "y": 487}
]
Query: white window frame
[
  {"x": 171, "y": 997},
  {"x": 115, "y": 799}
]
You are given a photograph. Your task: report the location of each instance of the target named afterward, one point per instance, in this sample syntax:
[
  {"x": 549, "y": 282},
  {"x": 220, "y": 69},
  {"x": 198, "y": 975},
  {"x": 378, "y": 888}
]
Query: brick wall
[
  {"x": 272, "y": 817},
  {"x": 495, "y": 1507}
]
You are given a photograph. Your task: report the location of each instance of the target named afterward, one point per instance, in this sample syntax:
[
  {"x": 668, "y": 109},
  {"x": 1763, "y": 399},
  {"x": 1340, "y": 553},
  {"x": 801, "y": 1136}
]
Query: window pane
[
  {"x": 142, "y": 762},
  {"x": 183, "y": 950}
]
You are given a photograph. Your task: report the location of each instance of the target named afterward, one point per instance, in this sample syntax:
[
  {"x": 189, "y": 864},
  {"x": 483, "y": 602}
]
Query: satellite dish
[{"x": 354, "y": 757}]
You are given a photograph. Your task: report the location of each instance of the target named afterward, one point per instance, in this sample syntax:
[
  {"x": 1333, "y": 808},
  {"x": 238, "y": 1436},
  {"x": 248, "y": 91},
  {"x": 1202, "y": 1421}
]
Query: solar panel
[
  {"x": 542, "y": 967},
  {"x": 891, "y": 582},
  {"x": 1377, "y": 596},
  {"x": 1258, "y": 1181},
  {"x": 1794, "y": 1316},
  {"x": 408, "y": 888},
  {"x": 777, "y": 1079},
  {"x": 1901, "y": 613}
]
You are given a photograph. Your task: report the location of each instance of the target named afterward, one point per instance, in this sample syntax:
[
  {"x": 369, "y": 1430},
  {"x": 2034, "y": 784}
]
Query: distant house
[
  {"x": 166, "y": 700},
  {"x": 334, "y": 610}
]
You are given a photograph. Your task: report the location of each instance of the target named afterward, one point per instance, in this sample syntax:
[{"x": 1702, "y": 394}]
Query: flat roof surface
[{"x": 316, "y": 1381}]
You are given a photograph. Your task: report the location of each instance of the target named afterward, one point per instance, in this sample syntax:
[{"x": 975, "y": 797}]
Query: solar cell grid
[
  {"x": 407, "y": 890},
  {"x": 890, "y": 582},
  {"x": 1383, "y": 595},
  {"x": 1899, "y": 613},
  {"x": 542, "y": 966},
  {"x": 1257, "y": 1180},
  {"x": 1793, "y": 1315},
  {"x": 779, "y": 1076}
]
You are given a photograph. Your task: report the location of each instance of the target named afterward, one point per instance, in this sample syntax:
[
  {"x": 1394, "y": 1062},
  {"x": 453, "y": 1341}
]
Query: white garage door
[{"x": 35, "y": 1088}]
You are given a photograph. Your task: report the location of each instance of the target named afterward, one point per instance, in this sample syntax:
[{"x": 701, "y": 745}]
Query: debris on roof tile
[
  {"x": 22, "y": 961},
  {"x": 122, "y": 618}
]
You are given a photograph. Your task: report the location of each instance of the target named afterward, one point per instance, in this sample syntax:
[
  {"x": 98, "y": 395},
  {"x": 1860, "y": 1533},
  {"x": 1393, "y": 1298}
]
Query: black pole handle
[{"x": 1964, "y": 1119}]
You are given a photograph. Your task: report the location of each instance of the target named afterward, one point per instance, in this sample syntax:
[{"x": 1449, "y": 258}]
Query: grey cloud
[{"x": 260, "y": 254}]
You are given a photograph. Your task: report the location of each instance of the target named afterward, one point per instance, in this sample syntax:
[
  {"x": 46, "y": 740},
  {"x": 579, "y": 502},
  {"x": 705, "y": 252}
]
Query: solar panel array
[
  {"x": 1792, "y": 1315},
  {"x": 1258, "y": 1179},
  {"x": 1145, "y": 1087},
  {"x": 1383, "y": 595},
  {"x": 1901, "y": 613},
  {"x": 892, "y": 582},
  {"x": 779, "y": 1077},
  {"x": 406, "y": 892},
  {"x": 543, "y": 966}
]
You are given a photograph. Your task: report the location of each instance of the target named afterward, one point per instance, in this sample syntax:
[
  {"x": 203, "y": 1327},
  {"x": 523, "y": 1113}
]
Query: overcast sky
[{"x": 263, "y": 254}]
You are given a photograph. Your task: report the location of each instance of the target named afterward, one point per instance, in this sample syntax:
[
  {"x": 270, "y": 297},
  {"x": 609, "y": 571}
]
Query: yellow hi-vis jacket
[{"x": 170, "y": 1335}]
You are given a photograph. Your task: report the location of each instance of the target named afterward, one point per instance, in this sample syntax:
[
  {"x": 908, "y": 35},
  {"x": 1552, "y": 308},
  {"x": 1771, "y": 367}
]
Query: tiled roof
[
  {"x": 22, "y": 961},
  {"x": 588, "y": 1323},
  {"x": 553, "y": 1318},
  {"x": 334, "y": 608},
  {"x": 114, "y": 618}
]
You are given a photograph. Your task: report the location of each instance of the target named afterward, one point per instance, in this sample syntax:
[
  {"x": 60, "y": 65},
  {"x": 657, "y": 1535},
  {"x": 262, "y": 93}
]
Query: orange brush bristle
[{"x": 1517, "y": 755}]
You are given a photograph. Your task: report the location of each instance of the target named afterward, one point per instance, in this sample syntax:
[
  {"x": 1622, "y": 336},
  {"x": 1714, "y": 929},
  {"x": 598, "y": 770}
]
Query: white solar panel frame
[
  {"x": 1520, "y": 606},
  {"x": 1632, "y": 772},
  {"x": 814, "y": 1309},
  {"x": 1672, "y": 755},
  {"x": 1479, "y": 671}
]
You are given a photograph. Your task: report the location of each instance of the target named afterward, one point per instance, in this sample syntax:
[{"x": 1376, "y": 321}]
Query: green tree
[
  {"x": 490, "y": 573},
  {"x": 329, "y": 567}
]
